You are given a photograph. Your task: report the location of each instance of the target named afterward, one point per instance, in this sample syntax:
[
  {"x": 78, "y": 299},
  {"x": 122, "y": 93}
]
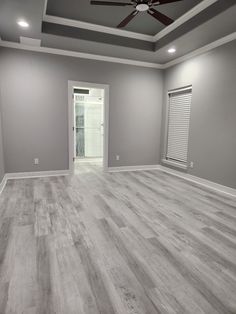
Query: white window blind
[{"x": 178, "y": 125}]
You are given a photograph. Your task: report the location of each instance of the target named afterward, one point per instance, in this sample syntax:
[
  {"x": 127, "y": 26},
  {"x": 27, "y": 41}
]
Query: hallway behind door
[{"x": 89, "y": 131}]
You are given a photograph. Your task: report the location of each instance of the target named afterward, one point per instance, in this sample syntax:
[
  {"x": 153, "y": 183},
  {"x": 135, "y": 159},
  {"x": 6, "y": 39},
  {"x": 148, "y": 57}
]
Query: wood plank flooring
[{"x": 116, "y": 243}]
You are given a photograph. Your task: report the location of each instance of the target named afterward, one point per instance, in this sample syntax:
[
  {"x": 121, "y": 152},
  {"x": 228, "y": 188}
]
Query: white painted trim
[
  {"x": 120, "y": 32},
  {"x": 45, "y": 8},
  {"x": 82, "y": 55},
  {"x": 105, "y": 87},
  {"x": 174, "y": 164},
  {"x": 28, "y": 175},
  {"x": 38, "y": 174},
  {"x": 212, "y": 186},
  {"x": 27, "y": 41},
  {"x": 133, "y": 168},
  {"x": 97, "y": 28},
  {"x": 202, "y": 182},
  {"x": 204, "y": 49},
  {"x": 71, "y": 139},
  {"x": 178, "y": 90},
  {"x": 3, "y": 183},
  {"x": 195, "y": 53},
  {"x": 184, "y": 18}
]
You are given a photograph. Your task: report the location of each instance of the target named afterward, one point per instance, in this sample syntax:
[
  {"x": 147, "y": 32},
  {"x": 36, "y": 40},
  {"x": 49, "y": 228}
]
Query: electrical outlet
[
  {"x": 36, "y": 161},
  {"x": 117, "y": 157},
  {"x": 191, "y": 164}
]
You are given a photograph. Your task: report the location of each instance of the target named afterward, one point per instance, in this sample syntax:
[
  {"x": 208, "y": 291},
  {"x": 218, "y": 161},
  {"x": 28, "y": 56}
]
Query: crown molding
[
  {"x": 195, "y": 53},
  {"x": 30, "y": 41},
  {"x": 97, "y": 28},
  {"x": 82, "y": 55},
  {"x": 184, "y": 18},
  {"x": 119, "y": 32},
  {"x": 204, "y": 49}
]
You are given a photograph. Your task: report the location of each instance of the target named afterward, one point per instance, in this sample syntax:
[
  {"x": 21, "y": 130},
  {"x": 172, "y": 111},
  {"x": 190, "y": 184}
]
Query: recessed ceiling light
[
  {"x": 172, "y": 50},
  {"x": 23, "y": 24}
]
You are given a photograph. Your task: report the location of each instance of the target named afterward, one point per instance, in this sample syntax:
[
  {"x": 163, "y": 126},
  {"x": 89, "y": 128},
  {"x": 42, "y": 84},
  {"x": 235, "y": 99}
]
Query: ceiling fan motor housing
[{"x": 141, "y": 7}]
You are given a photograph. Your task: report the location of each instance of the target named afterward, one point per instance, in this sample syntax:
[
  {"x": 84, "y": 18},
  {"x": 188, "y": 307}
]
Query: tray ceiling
[
  {"x": 68, "y": 25},
  {"x": 82, "y": 10}
]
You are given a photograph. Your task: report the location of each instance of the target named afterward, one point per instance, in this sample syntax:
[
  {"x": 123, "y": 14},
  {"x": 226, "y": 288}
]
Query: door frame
[{"x": 71, "y": 86}]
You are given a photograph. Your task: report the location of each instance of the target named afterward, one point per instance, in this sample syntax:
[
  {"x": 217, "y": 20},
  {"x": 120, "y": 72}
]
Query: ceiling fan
[{"x": 140, "y": 6}]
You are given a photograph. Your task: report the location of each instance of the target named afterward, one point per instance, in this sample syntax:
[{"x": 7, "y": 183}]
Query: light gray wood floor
[{"x": 125, "y": 243}]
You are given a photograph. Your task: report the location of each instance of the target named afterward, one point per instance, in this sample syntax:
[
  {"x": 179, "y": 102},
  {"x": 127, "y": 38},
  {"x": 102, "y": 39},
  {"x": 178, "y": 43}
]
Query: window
[{"x": 179, "y": 105}]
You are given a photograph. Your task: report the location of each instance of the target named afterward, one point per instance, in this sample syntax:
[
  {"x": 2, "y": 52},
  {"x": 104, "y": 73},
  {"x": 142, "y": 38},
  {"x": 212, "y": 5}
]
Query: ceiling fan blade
[
  {"x": 160, "y": 16},
  {"x": 111, "y": 3},
  {"x": 128, "y": 19},
  {"x": 156, "y": 2}
]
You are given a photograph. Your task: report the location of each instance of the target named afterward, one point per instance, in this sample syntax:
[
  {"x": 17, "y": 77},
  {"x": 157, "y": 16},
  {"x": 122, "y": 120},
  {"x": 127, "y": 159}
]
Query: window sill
[{"x": 174, "y": 164}]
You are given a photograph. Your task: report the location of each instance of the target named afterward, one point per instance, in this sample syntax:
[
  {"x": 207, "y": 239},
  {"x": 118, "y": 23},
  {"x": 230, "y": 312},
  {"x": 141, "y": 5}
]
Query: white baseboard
[
  {"x": 215, "y": 187},
  {"x": 174, "y": 164},
  {"x": 202, "y": 182},
  {"x": 3, "y": 183},
  {"x": 133, "y": 168},
  {"x": 38, "y": 174},
  {"x": 28, "y": 175}
]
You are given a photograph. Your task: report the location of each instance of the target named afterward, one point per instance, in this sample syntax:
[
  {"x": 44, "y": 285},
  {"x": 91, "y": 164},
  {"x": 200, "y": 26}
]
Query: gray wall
[
  {"x": 212, "y": 138},
  {"x": 34, "y": 110},
  {"x": 35, "y": 105},
  {"x": 2, "y": 169}
]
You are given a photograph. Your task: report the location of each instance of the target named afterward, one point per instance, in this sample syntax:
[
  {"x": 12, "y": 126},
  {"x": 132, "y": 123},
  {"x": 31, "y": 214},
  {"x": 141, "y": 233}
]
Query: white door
[
  {"x": 93, "y": 130},
  {"x": 89, "y": 125}
]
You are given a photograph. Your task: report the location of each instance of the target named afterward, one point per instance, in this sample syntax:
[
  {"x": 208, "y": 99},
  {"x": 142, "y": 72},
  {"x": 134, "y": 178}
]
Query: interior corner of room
[
  {"x": 143, "y": 114},
  {"x": 2, "y": 166},
  {"x": 117, "y": 157}
]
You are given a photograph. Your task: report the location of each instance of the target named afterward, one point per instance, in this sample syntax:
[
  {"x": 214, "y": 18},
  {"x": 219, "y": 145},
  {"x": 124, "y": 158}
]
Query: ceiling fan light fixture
[{"x": 142, "y": 7}]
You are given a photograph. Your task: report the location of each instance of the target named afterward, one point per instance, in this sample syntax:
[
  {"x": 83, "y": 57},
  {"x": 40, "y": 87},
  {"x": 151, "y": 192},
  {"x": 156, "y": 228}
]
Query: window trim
[
  {"x": 165, "y": 160},
  {"x": 175, "y": 163}
]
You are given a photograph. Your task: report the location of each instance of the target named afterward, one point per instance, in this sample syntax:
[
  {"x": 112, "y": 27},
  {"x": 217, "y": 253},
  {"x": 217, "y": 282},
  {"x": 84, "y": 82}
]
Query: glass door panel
[
  {"x": 89, "y": 126},
  {"x": 79, "y": 124},
  {"x": 93, "y": 130}
]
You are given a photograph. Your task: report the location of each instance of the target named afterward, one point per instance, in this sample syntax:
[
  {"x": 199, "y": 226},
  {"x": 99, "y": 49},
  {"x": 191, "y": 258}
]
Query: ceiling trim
[
  {"x": 119, "y": 32},
  {"x": 197, "y": 52},
  {"x": 45, "y": 8},
  {"x": 30, "y": 41},
  {"x": 69, "y": 53},
  {"x": 95, "y": 36},
  {"x": 97, "y": 28},
  {"x": 184, "y": 18},
  {"x": 204, "y": 49}
]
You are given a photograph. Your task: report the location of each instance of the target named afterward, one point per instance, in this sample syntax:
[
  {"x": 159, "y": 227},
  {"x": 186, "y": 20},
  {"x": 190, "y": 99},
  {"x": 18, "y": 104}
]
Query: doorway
[{"x": 88, "y": 126}]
